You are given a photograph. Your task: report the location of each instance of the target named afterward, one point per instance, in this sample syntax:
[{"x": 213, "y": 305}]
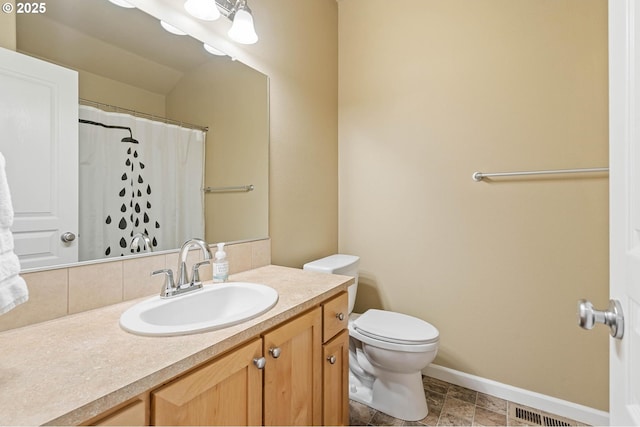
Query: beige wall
[
  {"x": 439, "y": 89},
  {"x": 8, "y": 29},
  {"x": 298, "y": 50},
  {"x": 233, "y": 101},
  {"x": 112, "y": 92}
]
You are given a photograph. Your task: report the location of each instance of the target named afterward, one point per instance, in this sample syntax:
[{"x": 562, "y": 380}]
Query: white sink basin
[{"x": 212, "y": 307}]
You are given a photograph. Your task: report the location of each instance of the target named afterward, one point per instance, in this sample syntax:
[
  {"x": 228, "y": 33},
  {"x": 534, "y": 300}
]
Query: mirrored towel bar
[
  {"x": 238, "y": 188},
  {"x": 479, "y": 176}
]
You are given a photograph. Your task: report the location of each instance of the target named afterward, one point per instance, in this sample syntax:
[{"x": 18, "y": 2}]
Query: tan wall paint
[
  {"x": 112, "y": 92},
  {"x": 298, "y": 50},
  {"x": 8, "y": 28},
  {"x": 432, "y": 91},
  {"x": 232, "y": 100}
]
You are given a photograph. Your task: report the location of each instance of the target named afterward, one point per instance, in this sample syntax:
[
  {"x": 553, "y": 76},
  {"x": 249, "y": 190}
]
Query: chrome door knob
[
  {"x": 612, "y": 317},
  {"x": 67, "y": 237}
]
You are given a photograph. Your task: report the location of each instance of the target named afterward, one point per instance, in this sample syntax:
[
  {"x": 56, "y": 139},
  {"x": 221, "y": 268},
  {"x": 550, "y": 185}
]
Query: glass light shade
[
  {"x": 122, "y": 3},
  {"x": 212, "y": 50},
  {"x": 173, "y": 30},
  {"x": 242, "y": 29},
  {"x": 202, "y": 9}
]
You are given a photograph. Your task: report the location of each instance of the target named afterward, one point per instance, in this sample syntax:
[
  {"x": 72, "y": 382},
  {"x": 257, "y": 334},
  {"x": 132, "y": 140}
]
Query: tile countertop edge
[{"x": 222, "y": 341}]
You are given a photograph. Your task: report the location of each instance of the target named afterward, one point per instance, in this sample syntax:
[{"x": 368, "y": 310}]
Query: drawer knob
[
  {"x": 259, "y": 362},
  {"x": 340, "y": 316},
  {"x": 331, "y": 359},
  {"x": 274, "y": 352}
]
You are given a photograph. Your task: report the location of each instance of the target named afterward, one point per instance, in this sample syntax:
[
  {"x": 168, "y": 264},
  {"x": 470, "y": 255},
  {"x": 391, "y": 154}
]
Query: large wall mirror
[{"x": 128, "y": 64}]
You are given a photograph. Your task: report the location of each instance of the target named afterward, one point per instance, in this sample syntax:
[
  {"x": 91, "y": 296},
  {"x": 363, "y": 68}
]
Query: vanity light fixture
[
  {"x": 122, "y": 3},
  {"x": 173, "y": 30},
  {"x": 207, "y": 10}
]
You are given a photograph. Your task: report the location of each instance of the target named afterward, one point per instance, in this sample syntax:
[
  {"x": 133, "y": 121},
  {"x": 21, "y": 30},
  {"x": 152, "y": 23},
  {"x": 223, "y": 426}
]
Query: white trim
[{"x": 540, "y": 401}]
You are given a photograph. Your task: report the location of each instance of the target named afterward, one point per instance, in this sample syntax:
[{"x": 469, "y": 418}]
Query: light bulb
[
  {"x": 242, "y": 29},
  {"x": 212, "y": 50},
  {"x": 122, "y": 3},
  {"x": 173, "y": 30},
  {"x": 202, "y": 9}
]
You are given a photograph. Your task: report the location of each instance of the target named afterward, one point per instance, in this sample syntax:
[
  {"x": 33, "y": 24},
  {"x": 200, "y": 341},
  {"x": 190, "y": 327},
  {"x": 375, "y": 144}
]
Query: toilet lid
[{"x": 395, "y": 327}]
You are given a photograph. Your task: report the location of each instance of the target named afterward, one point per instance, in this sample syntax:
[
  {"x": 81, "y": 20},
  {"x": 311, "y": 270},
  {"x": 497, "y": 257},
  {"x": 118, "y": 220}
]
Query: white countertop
[{"x": 70, "y": 369}]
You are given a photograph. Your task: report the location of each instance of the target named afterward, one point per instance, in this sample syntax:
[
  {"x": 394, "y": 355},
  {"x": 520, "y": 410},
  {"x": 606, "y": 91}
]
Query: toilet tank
[{"x": 346, "y": 265}]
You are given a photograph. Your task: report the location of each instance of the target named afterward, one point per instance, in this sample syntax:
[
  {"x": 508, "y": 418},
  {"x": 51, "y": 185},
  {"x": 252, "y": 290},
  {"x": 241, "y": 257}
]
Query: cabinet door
[
  {"x": 226, "y": 391},
  {"x": 335, "y": 402},
  {"x": 293, "y": 372},
  {"x": 133, "y": 414}
]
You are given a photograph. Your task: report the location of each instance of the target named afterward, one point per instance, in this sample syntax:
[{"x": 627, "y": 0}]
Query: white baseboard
[{"x": 540, "y": 401}]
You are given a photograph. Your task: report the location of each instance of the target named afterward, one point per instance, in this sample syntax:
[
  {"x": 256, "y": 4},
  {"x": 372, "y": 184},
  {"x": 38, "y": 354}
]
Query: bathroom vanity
[{"x": 288, "y": 366}]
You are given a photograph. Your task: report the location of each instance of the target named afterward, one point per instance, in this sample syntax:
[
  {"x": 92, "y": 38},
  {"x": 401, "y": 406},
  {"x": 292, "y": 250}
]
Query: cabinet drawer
[{"x": 335, "y": 316}]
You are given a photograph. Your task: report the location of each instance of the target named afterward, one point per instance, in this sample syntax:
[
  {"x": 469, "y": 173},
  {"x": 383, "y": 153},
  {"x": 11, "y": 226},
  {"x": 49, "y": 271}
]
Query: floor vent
[
  {"x": 534, "y": 417},
  {"x": 528, "y": 416}
]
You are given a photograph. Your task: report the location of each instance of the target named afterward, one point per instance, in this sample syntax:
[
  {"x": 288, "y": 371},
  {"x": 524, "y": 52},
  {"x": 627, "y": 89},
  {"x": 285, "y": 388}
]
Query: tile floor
[{"x": 452, "y": 405}]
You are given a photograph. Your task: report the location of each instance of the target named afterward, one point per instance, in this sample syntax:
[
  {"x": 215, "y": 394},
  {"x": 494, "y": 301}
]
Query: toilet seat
[{"x": 394, "y": 331}]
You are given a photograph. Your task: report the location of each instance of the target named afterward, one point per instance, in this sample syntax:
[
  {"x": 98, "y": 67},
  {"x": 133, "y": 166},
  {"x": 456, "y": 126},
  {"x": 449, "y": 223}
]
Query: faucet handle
[
  {"x": 168, "y": 288},
  {"x": 195, "y": 274}
]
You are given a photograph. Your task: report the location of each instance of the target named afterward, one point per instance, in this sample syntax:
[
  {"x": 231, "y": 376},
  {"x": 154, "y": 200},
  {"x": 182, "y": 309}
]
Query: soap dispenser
[{"x": 220, "y": 265}]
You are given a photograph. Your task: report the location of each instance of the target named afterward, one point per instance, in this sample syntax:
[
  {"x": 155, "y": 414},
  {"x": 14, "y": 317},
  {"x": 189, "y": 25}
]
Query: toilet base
[{"x": 404, "y": 400}]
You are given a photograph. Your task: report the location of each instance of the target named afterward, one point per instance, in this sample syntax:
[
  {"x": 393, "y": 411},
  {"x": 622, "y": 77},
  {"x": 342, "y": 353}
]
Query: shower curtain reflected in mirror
[{"x": 153, "y": 187}]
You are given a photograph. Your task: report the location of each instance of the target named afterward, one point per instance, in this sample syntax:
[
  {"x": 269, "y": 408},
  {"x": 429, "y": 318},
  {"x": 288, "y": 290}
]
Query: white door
[
  {"x": 624, "y": 140},
  {"x": 39, "y": 139}
]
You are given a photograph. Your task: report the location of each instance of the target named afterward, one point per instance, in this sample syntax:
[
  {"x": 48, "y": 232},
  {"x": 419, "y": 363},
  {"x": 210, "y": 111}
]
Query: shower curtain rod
[{"x": 116, "y": 109}]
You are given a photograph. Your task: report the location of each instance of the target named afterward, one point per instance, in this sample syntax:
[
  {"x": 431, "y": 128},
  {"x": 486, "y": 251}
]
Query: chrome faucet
[
  {"x": 135, "y": 242},
  {"x": 183, "y": 278},
  {"x": 170, "y": 288}
]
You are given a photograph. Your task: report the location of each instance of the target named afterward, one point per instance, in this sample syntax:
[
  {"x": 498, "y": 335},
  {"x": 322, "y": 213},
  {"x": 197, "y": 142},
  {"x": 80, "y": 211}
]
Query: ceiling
[{"x": 114, "y": 42}]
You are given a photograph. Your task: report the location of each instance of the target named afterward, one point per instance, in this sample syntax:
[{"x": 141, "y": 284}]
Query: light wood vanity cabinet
[
  {"x": 293, "y": 374},
  {"x": 225, "y": 391}
]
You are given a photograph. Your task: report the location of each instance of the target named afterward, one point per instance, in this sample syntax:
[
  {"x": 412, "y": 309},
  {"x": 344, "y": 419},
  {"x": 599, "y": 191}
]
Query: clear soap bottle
[{"x": 220, "y": 265}]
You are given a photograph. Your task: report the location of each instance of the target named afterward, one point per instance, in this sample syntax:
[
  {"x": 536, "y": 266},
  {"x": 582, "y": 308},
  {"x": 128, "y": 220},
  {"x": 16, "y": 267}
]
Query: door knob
[
  {"x": 67, "y": 237},
  {"x": 331, "y": 359},
  {"x": 612, "y": 317}
]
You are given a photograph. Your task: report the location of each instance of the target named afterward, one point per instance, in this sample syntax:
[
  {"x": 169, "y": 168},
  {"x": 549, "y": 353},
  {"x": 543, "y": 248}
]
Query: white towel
[{"x": 13, "y": 289}]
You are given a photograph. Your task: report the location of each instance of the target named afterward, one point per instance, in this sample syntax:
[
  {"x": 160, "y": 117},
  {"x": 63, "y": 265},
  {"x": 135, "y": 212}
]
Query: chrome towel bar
[
  {"x": 479, "y": 176},
  {"x": 239, "y": 188}
]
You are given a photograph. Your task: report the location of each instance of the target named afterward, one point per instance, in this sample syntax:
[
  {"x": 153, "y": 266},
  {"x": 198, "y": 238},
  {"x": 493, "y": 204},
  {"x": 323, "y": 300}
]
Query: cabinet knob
[
  {"x": 259, "y": 362},
  {"x": 331, "y": 359},
  {"x": 274, "y": 352},
  {"x": 340, "y": 316}
]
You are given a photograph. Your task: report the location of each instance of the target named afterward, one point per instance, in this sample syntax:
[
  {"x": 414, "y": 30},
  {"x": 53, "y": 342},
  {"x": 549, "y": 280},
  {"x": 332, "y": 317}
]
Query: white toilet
[{"x": 387, "y": 351}]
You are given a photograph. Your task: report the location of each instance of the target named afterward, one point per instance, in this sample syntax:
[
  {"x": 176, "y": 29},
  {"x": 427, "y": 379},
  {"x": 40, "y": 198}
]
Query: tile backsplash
[{"x": 62, "y": 291}]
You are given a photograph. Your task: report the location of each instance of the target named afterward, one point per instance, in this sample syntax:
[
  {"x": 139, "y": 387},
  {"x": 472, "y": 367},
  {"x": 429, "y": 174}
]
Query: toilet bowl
[{"x": 387, "y": 351}]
